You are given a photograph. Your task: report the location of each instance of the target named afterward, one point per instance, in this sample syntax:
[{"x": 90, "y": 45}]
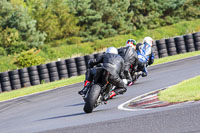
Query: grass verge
[
  {"x": 60, "y": 83},
  {"x": 188, "y": 90}
]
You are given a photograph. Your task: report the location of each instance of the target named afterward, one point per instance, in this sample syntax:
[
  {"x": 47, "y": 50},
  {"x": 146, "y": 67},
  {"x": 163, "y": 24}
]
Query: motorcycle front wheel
[{"x": 91, "y": 98}]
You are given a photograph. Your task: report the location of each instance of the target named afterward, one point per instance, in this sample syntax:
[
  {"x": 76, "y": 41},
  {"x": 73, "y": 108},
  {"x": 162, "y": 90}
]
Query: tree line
[{"x": 27, "y": 24}]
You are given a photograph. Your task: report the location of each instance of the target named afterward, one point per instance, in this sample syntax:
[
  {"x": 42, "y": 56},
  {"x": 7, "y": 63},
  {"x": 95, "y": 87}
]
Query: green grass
[
  {"x": 6, "y": 63},
  {"x": 188, "y": 90},
  {"x": 60, "y": 83}
]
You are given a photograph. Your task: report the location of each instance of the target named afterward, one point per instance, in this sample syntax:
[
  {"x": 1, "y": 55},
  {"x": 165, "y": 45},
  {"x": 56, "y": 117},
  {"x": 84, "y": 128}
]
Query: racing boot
[
  {"x": 112, "y": 94},
  {"x": 85, "y": 88}
]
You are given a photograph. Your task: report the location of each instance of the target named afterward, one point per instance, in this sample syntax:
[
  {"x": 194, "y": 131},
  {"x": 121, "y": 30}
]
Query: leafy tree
[
  {"x": 100, "y": 19},
  {"x": 155, "y": 13},
  {"x": 18, "y": 2},
  {"x": 18, "y": 26},
  {"x": 9, "y": 37},
  {"x": 2, "y": 51},
  {"x": 53, "y": 18},
  {"x": 189, "y": 10}
]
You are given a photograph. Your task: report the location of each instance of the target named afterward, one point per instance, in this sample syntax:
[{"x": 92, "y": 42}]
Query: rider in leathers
[
  {"x": 114, "y": 64},
  {"x": 145, "y": 53},
  {"x": 130, "y": 57}
]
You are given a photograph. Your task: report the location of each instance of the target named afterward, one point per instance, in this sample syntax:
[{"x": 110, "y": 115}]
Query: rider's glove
[{"x": 150, "y": 61}]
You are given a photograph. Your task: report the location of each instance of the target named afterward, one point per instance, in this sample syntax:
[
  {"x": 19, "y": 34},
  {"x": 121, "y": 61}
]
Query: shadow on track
[
  {"x": 62, "y": 116},
  {"x": 72, "y": 105}
]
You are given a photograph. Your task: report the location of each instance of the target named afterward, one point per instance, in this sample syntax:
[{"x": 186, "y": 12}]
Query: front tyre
[{"x": 91, "y": 98}]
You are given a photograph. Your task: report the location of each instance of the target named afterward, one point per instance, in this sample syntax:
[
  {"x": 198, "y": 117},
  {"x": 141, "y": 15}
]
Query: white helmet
[
  {"x": 148, "y": 40},
  {"x": 112, "y": 50}
]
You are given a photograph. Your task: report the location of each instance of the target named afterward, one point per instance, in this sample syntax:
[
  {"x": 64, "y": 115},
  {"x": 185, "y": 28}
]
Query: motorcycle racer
[
  {"x": 145, "y": 53},
  {"x": 111, "y": 62},
  {"x": 130, "y": 57}
]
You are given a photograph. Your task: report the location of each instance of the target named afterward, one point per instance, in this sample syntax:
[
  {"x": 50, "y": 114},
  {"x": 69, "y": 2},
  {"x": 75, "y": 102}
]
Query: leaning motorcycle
[{"x": 98, "y": 91}]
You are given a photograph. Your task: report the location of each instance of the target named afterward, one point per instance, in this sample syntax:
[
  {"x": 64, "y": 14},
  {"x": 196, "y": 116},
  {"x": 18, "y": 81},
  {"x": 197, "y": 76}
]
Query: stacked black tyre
[
  {"x": 171, "y": 46},
  {"x": 15, "y": 79},
  {"x": 155, "y": 50},
  {"x": 180, "y": 44},
  {"x": 189, "y": 42},
  {"x": 34, "y": 75},
  {"x": 87, "y": 58},
  {"x": 53, "y": 71},
  {"x": 162, "y": 49},
  {"x": 24, "y": 77},
  {"x": 196, "y": 37},
  {"x": 81, "y": 66},
  {"x": 71, "y": 66},
  {"x": 43, "y": 73},
  {"x": 5, "y": 82},
  {"x": 0, "y": 88},
  {"x": 62, "y": 69}
]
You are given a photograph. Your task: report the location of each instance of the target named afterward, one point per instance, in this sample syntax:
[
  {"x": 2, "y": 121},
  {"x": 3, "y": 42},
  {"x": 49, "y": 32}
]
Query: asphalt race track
[{"x": 61, "y": 110}]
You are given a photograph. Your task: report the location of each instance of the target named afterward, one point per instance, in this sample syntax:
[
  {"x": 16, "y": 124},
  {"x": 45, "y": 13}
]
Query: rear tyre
[{"x": 91, "y": 98}]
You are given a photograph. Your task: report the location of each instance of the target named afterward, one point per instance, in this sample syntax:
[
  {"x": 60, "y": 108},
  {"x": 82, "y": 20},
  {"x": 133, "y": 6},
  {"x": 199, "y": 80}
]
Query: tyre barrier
[
  {"x": 67, "y": 68},
  {"x": 5, "y": 82},
  {"x": 71, "y": 67},
  {"x": 53, "y": 71},
  {"x": 43, "y": 73},
  {"x": 81, "y": 65},
  {"x": 34, "y": 75},
  {"x": 189, "y": 43},
  {"x": 24, "y": 77},
  {"x": 0, "y": 88},
  {"x": 196, "y": 37},
  {"x": 62, "y": 69},
  {"x": 15, "y": 79},
  {"x": 162, "y": 49},
  {"x": 171, "y": 46},
  {"x": 180, "y": 44}
]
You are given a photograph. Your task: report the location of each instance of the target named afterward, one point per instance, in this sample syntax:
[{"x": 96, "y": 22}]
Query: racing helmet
[
  {"x": 131, "y": 42},
  {"x": 112, "y": 50},
  {"x": 148, "y": 40}
]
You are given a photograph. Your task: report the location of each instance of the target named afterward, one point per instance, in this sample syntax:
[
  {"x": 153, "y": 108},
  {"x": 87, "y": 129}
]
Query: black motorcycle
[{"x": 98, "y": 91}]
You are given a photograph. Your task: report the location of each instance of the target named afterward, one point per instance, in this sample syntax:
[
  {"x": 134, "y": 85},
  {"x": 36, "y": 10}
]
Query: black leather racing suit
[
  {"x": 130, "y": 58},
  {"x": 114, "y": 64}
]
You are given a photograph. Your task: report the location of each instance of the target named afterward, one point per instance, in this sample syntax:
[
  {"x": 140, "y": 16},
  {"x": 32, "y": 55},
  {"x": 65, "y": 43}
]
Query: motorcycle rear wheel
[{"x": 91, "y": 98}]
